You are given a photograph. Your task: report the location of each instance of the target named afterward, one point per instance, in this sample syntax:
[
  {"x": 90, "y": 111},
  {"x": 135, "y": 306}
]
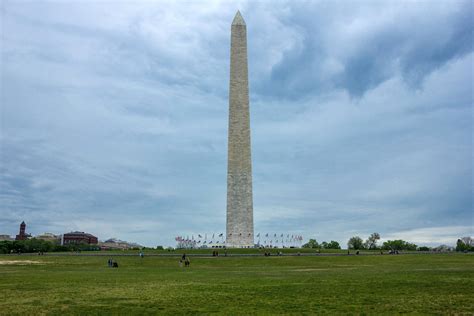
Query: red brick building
[
  {"x": 79, "y": 238},
  {"x": 22, "y": 234}
]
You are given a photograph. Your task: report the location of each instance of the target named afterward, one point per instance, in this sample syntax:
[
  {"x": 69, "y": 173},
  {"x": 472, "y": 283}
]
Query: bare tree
[{"x": 371, "y": 242}]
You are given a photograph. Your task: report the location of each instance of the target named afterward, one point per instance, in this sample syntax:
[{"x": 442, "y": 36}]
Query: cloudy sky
[{"x": 114, "y": 118}]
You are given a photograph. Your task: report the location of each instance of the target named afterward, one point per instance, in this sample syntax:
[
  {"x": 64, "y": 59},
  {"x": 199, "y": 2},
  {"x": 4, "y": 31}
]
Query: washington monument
[{"x": 239, "y": 164}]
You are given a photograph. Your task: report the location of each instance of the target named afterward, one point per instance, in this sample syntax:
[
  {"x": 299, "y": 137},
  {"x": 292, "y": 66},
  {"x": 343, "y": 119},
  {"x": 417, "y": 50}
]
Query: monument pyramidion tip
[{"x": 238, "y": 19}]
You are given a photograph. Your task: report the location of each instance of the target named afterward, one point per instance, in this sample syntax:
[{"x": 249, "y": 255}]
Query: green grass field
[{"x": 378, "y": 284}]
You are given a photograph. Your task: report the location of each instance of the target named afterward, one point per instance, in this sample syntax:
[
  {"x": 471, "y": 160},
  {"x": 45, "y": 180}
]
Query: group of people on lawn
[{"x": 112, "y": 263}]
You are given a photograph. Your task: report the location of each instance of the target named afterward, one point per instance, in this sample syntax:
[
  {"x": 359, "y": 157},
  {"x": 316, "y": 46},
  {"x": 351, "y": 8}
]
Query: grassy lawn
[{"x": 415, "y": 284}]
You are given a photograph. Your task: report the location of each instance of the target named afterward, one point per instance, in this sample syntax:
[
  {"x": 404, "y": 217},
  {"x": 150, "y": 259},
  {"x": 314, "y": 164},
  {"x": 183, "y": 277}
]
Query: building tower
[
  {"x": 239, "y": 165},
  {"x": 22, "y": 234}
]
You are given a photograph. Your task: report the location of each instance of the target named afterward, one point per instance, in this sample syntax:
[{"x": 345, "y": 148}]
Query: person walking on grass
[{"x": 184, "y": 259}]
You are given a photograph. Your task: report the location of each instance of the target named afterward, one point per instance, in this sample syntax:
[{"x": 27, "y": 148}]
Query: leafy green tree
[
  {"x": 6, "y": 246},
  {"x": 355, "y": 243},
  {"x": 371, "y": 242},
  {"x": 333, "y": 245},
  {"x": 468, "y": 241},
  {"x": 424, "y": 248},
  {"x": 312, "y": 243},
  {"x": 462, "y": 245},
  {"x": 330, "y": 245},
  {"x": 398, "y": 245}
]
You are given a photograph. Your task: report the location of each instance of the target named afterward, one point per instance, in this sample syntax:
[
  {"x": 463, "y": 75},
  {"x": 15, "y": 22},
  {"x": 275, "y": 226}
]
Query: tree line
[
  {"x": 33, "y": 245},
  {"x": 371, "y": 243},
  {"x": 39, "y": 245},
  {"x": 312, "y": 243}
]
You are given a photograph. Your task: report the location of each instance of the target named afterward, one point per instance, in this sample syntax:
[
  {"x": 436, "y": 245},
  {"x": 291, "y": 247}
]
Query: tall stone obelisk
[{"x": 239, "y": 165}]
